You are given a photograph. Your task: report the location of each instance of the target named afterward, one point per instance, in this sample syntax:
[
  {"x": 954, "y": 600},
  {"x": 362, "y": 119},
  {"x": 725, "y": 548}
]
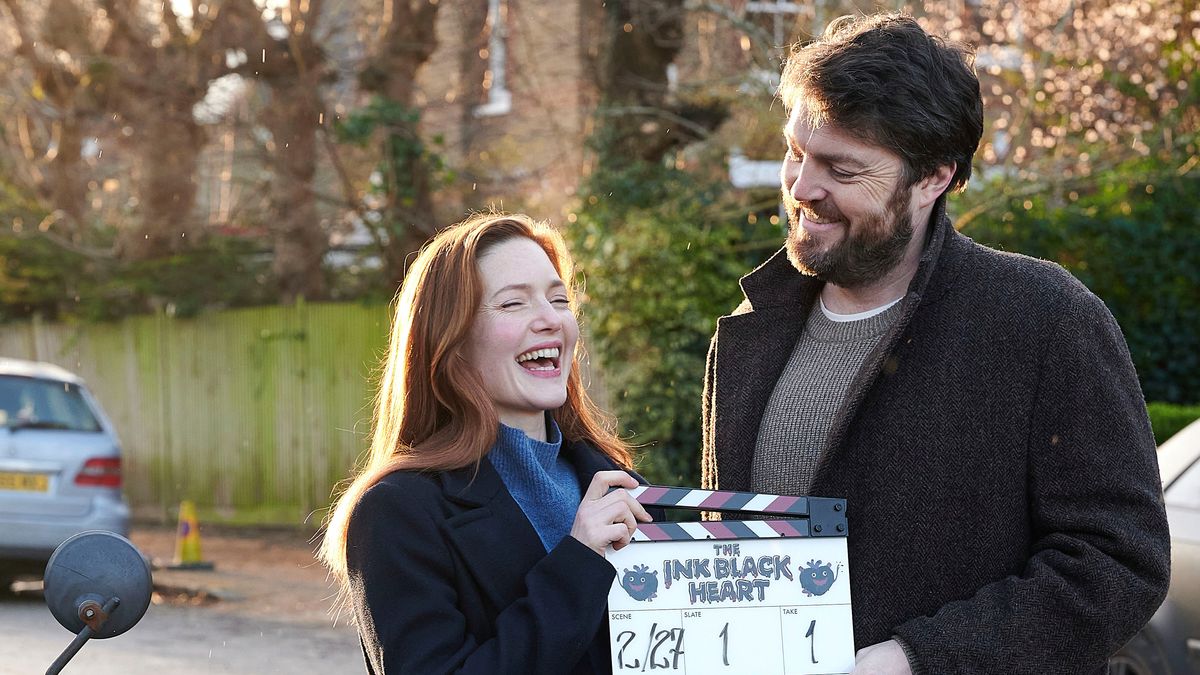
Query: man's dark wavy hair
[{"x": 886, "y": 80}]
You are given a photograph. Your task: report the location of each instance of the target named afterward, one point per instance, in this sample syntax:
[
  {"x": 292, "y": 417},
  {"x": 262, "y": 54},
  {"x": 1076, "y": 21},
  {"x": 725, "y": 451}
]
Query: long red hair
[{"x": 431, "y": 411}]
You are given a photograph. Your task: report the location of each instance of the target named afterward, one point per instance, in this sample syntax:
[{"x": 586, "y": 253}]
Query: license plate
[{"x": 25, "y": 482}]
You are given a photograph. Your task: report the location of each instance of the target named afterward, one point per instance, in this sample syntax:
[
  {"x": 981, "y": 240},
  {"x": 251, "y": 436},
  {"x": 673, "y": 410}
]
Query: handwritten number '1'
[
  {"x": 725, "y": 645},
  {"x": 812, "y": 628}
]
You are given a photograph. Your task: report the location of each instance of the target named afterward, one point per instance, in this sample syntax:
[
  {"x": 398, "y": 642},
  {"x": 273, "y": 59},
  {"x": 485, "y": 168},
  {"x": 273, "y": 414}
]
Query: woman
[{"x": 473, "y": 539}]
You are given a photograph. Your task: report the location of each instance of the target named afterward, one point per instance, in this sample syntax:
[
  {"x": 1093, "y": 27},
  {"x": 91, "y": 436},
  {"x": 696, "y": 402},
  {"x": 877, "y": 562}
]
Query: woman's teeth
[{"x": 550, "y": 355}]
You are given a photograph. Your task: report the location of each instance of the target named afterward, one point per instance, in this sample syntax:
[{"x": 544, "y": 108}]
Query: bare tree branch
[
  {"x": 759, "y": 37},
  {"x": 617, "y": 111},
  {"x": 58, "y": 215}
]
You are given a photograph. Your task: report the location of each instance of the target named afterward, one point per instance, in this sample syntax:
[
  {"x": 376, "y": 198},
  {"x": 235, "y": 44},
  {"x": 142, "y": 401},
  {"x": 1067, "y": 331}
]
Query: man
[{"x": 978, "y": 410}]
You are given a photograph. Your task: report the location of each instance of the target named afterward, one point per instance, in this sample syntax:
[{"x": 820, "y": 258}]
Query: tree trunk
[
  {"x": 156, "y": 82},
  {"x": 57, "y": 73},
  {"x": 1187, "y": 25},
  {"x": 68, "y": 187},
  {"x": 392, "y": 73},
  {"x": 168, "y": 146},
  {"x": 299, "y": 240},
  {"x": 639, "y": 119}
]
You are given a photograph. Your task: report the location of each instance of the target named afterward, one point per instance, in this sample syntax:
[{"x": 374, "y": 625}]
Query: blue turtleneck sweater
[{"x": 539, "y": 479}]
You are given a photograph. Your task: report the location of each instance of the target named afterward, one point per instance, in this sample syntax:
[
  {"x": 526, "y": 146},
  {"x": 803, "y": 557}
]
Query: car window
[
  {"x": 1185, "y": 491},
  {"x": 29, "y": 403}
]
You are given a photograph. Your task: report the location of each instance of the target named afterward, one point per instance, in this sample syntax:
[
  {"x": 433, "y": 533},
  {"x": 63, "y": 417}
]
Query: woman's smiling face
[{"x": 523, "y": 340}]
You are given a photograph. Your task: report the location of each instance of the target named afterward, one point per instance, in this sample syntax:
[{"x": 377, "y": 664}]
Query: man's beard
[{"x": 867, "y": 252}]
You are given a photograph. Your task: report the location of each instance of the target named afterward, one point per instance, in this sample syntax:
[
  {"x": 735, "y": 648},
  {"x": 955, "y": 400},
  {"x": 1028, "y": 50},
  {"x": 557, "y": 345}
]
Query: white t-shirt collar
[{"x": 858, "y": 316}]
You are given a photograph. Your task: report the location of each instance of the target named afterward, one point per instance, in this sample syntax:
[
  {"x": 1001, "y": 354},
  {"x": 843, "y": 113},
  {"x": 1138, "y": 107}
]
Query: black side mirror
[{"x": 97, "y": 585}]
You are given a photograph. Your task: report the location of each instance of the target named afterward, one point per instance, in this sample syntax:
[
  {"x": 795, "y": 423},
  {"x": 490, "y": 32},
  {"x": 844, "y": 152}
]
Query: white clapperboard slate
[{"x": 770, "y": 597}]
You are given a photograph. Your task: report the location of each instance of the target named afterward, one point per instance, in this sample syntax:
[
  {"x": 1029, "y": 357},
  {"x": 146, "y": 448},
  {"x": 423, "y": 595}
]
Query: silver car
[{"x": 60, "y": 465}]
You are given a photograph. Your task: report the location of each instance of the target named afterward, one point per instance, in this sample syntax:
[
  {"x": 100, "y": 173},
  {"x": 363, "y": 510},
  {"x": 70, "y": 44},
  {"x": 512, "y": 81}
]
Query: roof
[{"x": 38, "y": 369}]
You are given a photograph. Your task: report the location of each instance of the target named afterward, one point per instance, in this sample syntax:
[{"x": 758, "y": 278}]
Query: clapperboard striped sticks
[
  {"x": 751, "y": 529},
  {"x": 720, "y": 500},
  {"x": 807, "y": 516}
]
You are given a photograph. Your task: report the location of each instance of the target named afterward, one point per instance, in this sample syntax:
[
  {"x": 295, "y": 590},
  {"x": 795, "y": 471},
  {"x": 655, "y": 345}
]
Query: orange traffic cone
[{"x": 187, "y": 541}]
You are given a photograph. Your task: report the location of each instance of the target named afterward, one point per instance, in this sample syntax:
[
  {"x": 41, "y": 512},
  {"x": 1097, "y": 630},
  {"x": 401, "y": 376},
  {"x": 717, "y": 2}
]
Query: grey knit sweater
[{"x": 807, "y": 396}]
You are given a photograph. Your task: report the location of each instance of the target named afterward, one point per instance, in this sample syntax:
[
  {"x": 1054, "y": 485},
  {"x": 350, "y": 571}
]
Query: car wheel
[{"x": 1140, "y": 656}]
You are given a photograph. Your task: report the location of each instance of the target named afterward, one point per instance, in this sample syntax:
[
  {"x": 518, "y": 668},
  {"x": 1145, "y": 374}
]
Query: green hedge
[
  {"x": 661, "y": 252},
  {"x": 1168, "y": 419},
  {"x": 39, "y": 277},
  {"x": 1132, "y": 236}
]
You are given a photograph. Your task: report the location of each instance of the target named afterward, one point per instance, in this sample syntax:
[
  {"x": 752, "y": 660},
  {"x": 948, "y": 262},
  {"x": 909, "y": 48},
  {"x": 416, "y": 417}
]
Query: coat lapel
[
  {"x": 587, "y": 461},
  {"x": 753, "y": 347},
  {"x": 497, "y": 542},
  {"x": 750, "y": 357},
  {"x": 752, "y": 350}
]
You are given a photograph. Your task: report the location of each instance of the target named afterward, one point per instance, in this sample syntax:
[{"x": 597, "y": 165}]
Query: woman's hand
[{"x": 607, "y": 517}]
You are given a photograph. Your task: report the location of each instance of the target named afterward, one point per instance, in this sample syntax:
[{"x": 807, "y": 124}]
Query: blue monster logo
[
  {"x": 641, "y": 583},
  {"x": 818, "y": 578}
]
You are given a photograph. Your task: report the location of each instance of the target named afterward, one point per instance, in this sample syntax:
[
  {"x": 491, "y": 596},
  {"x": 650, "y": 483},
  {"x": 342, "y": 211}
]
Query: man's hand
[{"x": 885, "y": 658}]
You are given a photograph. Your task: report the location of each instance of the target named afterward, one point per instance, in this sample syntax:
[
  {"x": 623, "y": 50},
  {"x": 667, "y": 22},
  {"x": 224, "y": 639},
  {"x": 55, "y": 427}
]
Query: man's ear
[{"x": 931, "y": 187}]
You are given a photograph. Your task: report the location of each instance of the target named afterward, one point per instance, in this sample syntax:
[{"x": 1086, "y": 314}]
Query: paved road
[{"x": 176, "y": 639}]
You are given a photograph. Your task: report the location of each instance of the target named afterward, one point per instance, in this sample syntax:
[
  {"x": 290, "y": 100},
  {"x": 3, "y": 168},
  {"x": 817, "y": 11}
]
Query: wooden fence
[{"x": 254, "y": 414}]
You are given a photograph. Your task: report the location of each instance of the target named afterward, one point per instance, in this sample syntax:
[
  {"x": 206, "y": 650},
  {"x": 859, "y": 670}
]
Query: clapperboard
[{"x": 767, "y": 596}]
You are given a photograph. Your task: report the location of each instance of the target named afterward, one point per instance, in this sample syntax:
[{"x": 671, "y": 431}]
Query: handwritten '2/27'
[{"x": 672, "y": 639}]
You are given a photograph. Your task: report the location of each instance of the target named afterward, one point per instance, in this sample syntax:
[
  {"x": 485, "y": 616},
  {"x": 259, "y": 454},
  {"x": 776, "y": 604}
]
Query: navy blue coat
[{"x": 448, "y": 576}]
